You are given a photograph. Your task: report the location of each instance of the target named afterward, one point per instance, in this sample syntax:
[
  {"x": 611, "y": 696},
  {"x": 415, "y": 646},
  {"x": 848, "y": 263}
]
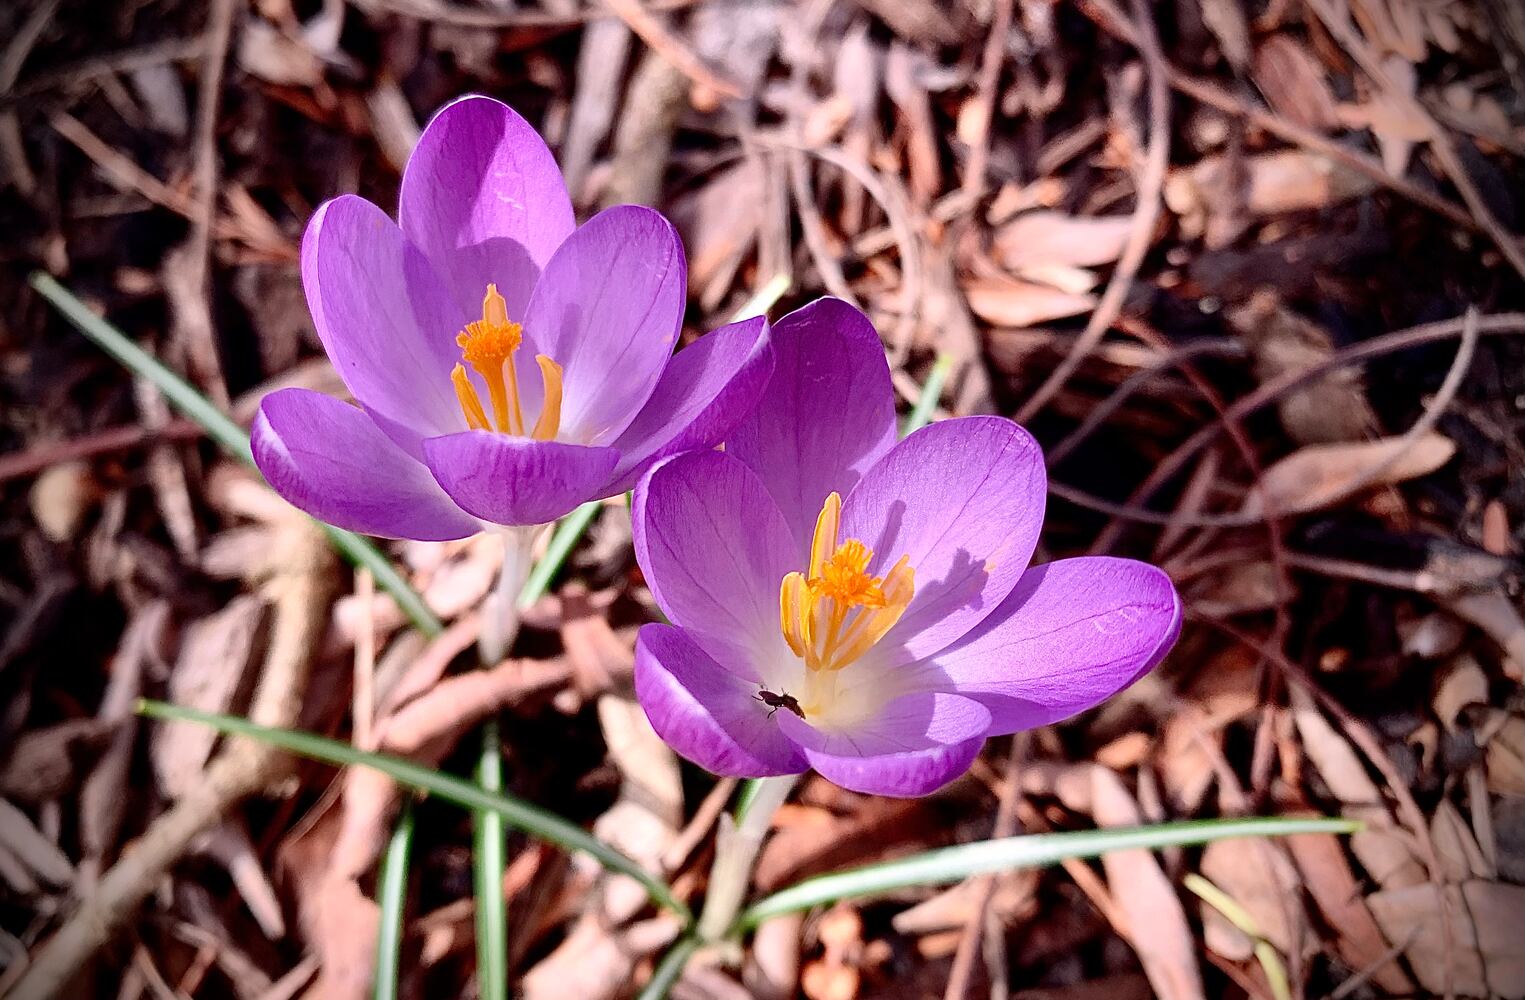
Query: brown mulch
[{"x": 1252, "y": 272}]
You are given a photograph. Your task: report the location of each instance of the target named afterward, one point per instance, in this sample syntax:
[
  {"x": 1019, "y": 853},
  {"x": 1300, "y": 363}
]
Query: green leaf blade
[
  {"x": 954, "y": 864},
  {"x": 517, "y": 813}
]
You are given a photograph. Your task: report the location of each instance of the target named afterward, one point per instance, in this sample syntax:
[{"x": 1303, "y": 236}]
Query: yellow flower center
[
  {"x": 838, "y": 612},
  {"x": 488, "y": 346}
]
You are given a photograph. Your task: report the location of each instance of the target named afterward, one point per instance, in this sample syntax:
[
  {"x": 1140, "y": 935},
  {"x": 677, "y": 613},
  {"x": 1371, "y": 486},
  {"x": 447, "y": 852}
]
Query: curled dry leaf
[
  {"x": 1214, "y": 196},
  {"x": 1294, "y": 83},
  {"x": 1496, "y": 614},
  {"x": 1334, "y": 407},
  {"x": 1505, "y": 739},
  {"x": 1157, "y": 922},
  {"x": 101, "y": 803},
  {"x": 1226, "y": 20},
  {"x": 1041, "y": 238},
  {"x": 1485, "y": 920},
  {"x": 1004, "y": 302},
  {"x": 1382, "y": 848},
  {"x": 1460, "y": 856},
  {"x": 61, "y": 497},
  {"x": 596, "y": 962},
  {"x": 1320, "y": 857},
  {"x": 1463, "y": 684},
  {"x": 1320, "y": 475},
  {"x": 644, "y": 820}
]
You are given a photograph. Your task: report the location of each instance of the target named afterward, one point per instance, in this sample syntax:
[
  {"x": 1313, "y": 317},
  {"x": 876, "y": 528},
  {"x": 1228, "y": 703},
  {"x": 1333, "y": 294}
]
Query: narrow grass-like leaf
[
  {"x": 488, "y": 864},
  {"x": 392, "y": 898},
  {"x": 568, "y": 530},
  {"x": 921, "y": 413},
  {"x": 517, "y": 813},
  {"x": 227, "y": 434},
  {"x": 953, "y": 864},
  {"x": 669, "y": 969}
]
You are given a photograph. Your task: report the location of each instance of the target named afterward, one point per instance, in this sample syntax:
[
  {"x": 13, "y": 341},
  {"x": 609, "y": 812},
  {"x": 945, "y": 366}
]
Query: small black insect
[{"x": 778, "y": 701}]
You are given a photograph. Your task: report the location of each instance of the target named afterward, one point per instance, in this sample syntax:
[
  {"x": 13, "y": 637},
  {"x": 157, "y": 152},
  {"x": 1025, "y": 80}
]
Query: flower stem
[
  {"x": 500, "y": 626},
  {"x": 735, "y": 853}
]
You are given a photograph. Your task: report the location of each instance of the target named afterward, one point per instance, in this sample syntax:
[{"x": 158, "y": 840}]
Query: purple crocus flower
[
  {"x": 866, "y": 608},
  {"x": 509, "y": 365}
]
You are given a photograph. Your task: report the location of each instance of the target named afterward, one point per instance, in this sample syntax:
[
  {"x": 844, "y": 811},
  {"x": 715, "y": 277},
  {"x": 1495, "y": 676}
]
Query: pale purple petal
[
  {"x": 827, "y": 414},
  {"x": 963, "y": 499},
  {"x": 901, "y": 775},
  {"x": 516, "y": 480},
  {"x": 328, "y": 459},
  {"x": 385, "y": 319},
  {"x": 608, "y": 309},
  {"x": 906, "y": 724},
  {"x": 1071, "y": 634},
  {"x": 706, "y": 713},
  {"x": 482, "y": 196},
  {"x": 715, "y": 549},
  {"x": 705, "y": 390}
]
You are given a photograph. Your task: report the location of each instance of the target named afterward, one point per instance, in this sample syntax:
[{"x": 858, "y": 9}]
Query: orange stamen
[
  {"x": 550, "y": 411},
  {"x": 837, "y": 613},
  {"x": 488, "y": 346}
]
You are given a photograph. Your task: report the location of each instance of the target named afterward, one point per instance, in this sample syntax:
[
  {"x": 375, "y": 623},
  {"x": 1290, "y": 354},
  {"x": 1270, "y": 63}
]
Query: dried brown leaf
[
  {"x": 1463, "y": 684},
  {"x": 61, "y": 497},
  {"x": 1495, "y": 613},
  {"x": 215, "y": 658},
  {"x": 1327, "y": 876},
  {"x": 1331, "y": 409},
  {"x": 1486, "y": 958},
  {"x": 1004, "y": 302},
  {"x": 1320, "y": 475},
  {"x": 1214, "y": 196},
  {"x": 1294, "y": 83},
  {"x": 1047, "y": 237},
  {"x": 1384, "y": 851},
  {"x": 1227, "y": 21}
]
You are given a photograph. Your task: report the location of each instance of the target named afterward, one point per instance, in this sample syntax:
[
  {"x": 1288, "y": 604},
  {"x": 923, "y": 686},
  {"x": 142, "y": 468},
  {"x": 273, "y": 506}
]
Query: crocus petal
[
  {"x": 963, "y": 499},
  {"x": 706, "y": 713},
  {"x": 827, "y": 414},
  {"x": 386, "y": 320},
  {"x": 1071, "y": 634},
  {"x": 328, "y": 459},
  {"x": 608, "y": 309},
  {"x": 901, "y": 775},
  {"x": 705, "y": 390},
  {"x": 714, "y": 549},
  {"x": 906, "y": 724},
  {"x": 516, "y": 480},
  {"x": 482, "y": 196}
]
